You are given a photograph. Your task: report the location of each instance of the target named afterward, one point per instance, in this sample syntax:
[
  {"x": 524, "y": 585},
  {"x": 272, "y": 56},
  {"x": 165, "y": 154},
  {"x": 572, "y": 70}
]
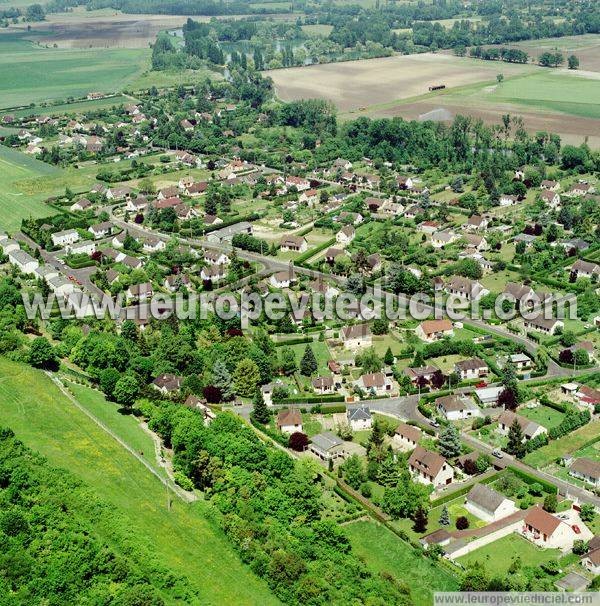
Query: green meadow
[
  {"x": 32, "y": 73},
  {"x": 182, "y": 535}
]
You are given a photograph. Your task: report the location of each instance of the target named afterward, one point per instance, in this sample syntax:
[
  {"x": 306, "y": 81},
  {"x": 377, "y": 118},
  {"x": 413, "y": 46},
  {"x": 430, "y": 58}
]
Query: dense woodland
[{"x": 59, "y": 544}]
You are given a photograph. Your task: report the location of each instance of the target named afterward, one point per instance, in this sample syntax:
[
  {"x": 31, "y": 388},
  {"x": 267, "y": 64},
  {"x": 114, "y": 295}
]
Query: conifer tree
[
  {"x": 260, "y": 412},
  {"x": 308, "y": 364}
]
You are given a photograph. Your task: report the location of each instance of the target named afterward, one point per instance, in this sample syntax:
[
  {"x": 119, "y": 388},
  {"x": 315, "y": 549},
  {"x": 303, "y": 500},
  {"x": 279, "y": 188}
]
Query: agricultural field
[
  {"x": 60, "y": 109},
  {"x": 180, "y": 535},
  {"x": 31, "y": 73},
  {"x": 379, "y": 83},
  {"x": 15, "y": 203},
  {"x": 383, "y": 552}
]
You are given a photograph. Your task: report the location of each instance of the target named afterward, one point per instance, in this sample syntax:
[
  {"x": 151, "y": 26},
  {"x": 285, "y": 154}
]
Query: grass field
[
  {"x": 544, "y": 415},
  {"x": 73, "y": 108},
  {"x": 32, "y": 73},
  {"x": 499, "y": 555},
  {"x": 382, "y": 551},
  {"x": 565, "y": 445},
  {"x": 15, "y": 204},
  {"x": 182, "y": 537}
]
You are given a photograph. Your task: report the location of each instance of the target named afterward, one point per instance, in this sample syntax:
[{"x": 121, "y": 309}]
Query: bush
[
  {"x": 182, "y": 480},
  {"x": 550, "y": 503},
  {"x": 462, "y": 523}
]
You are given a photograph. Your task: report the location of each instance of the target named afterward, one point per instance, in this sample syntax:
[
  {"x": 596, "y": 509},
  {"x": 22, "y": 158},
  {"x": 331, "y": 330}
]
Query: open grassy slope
[{"x": 182, "y": 537}]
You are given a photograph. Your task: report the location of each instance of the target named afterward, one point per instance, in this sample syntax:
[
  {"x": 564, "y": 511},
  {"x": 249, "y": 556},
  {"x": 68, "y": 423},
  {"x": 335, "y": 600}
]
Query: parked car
[{"x": 497, "y": 453}]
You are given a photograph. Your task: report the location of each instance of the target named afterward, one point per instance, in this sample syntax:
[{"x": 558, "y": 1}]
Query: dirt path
[{"x": 188, "y": 497}]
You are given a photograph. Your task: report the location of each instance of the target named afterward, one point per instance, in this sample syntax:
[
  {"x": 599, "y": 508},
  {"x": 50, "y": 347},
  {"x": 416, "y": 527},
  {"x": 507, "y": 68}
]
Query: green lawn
[
  {"x": 565, "y": 445},
  {"x": 321, "y": 352},
  {"x": 32, "y": 73},
  {"x": 499, "y": 555},
  {"x": 384, "y": 552},
  {"x": 182, "y": 537},
  {"x": 544, "y": 415}
]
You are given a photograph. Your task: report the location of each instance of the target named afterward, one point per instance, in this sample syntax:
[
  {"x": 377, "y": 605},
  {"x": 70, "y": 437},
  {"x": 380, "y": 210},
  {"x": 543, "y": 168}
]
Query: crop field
[
  {"x": 32, "y": 73},
  {"x": 379, "y": 83},
  {"x": 180, "y": 535},
  {"x": 383, "y": 552},
  {"x": 77, "y": 107},
  {"x": 15, "y": 204}
]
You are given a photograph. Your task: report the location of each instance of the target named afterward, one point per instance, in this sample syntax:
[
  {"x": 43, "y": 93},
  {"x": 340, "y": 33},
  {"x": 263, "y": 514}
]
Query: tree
[
  {"x": 449, "y": 442},
  {"x": 580, "y": 547},
  {"x": 353, "y": 471},
  {"x": 499, "y": 78},
  {"x": 287, "y": 360},
  {"x": 420, "y": 520},
  {"x": 107, "y": 378},
  {"x": 588, "y": 512},
  {"x": 515, "y": 444},
  {"x": 573, "y": 62},
  {"x": 260, "y": 412},
  {"x": 222, "y": 380},
  {"x": 246, "y": 377},
  {"x": 42, "y": 354},
  {"x": 388, "y": 358},
  {"x": 444, "y": 517},
  {"x": 298, "y": 441},
  {"x": 308, "y": 364},
  {"x": 550, "y": 503},
  {"x": 507, "y": 399},
  {"x": 126, "y": 391},
  {"x": 462, "y": 523}
]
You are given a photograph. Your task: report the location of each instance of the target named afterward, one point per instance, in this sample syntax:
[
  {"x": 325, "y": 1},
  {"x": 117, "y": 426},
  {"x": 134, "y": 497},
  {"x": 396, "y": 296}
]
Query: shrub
[{"x": 462, "y": 523}]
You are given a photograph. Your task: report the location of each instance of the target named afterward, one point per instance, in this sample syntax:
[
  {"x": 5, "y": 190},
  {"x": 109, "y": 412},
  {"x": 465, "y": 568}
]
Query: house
[
  {"x": 429, "y": 227},
  {"x": 309, "y": 197},
  {"x": 546, "y": 530},
  {"x": 487, "y": 504},
  {"x": 588, "y": 396},
  {"x": 529, "y": 428},
  {"x": 289, "y": 421},
  {"x": 298, "y": 182},
  {"x": 421, "y": 373},
  {"x": 60, "y": 286},
  {"x": 404, "y": 183},
  {"x": 137, "y": 205},
  {"x": 574, "y": 245},
  {"x": 320, "y": 286},
  {"x": 101, "y": 230},
  {"x": 359, "y": 417},
  {"x": 541, "y": 324},
  {"x": 585, "y": 269},
  {"x": 198, "y": 405},
  {"x": 587, "y": 470},
  {"x": 213, "y": 273},
  {"x": 375, "y": 262},
  {"x": 551, "y": 198},
  {"x": 465, "y": 288},
  {"x": 488, "y": 396},
  {"x": 407, "y": 435},
  {"x": 433, "y": 330},
  {"x": 152, "y": 244},
  {"x": 374, "y": 204},
  {"x": 548, "y": 185},
  {"x": 167, "y": 383},
  {"x": 573, "y": 583},
  {"x": 442, "y": 238},
  {"x": 139, "y": 292},
  {"x": 63, "y": 238},
  {"x": 196, "y": 189},
  {"x": 354, "y": 337},
  {"x": 327, "y": 446},
  {"x": 293, "y": 244},
  {"x": 506, "y": 200},
  {"x": 518, "y": 291},
  {"x": 591, "y": 560},
  {"x": 456, "y": 407},
  {"x": 474, "y": 368},
  {"x": 429, "y": 467},
  {"x": 323, "y": 385},
  {"x": 162, "y": 203},
  {"x": 45, "y": 272},
  {"x": 439, "y": 537},
  {"x": 477, "y": 242},
  {"x": 345, "y": 235},
  {"x": 350, "y": 217},
  {"x": 23, "y": 260},
  {"x": 81, "y": 205},
  {"x": 580, "y": 189},
  {"x": 211, "y": 220},
  {"x": 476, "y": 223},
  {"x": 85, "y": 247},
  {"x": 376, "y": 383},
  {"x": 168, "y": 192},
  {"x": 332, "y": 254},
  {"x": 225, "y": 234},
  {"x": 521, "y": 361},
  {"x": 131, "y": 262},
  {"x": 214, "y": 257},
  {"x": 118, "y": 193},
  {"x": 9, "y": 245},
  {"x": 176, "y": 281},
  {"x": 283, "y": 279}
]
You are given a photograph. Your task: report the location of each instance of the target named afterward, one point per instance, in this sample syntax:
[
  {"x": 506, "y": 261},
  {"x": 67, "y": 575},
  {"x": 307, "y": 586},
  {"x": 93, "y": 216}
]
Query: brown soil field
[
  {"x": 105, "y": 29},
  {"x": 573, "y": 130},
  {"x": 357, "y": 84}
]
